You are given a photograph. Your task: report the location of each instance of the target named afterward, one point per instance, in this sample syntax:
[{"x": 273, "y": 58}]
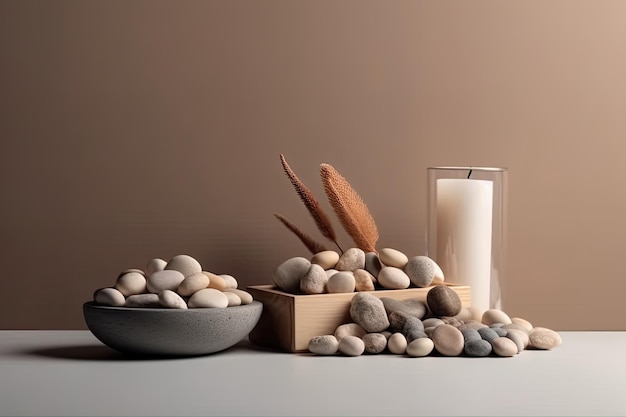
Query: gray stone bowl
[{"x": 171, "y": 332}]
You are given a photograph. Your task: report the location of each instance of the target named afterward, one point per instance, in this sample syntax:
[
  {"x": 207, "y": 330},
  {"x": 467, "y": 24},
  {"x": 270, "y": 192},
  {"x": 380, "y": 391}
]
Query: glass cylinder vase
[{"x": 466, "y": 230}]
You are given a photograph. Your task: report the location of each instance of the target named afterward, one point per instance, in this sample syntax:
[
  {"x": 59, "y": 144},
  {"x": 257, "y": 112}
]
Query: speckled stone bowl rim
[{"x": 255, "y": 306}]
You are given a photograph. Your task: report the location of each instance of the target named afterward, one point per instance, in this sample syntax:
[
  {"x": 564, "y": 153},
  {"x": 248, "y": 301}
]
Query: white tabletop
[{"x": 69, "y": 373}]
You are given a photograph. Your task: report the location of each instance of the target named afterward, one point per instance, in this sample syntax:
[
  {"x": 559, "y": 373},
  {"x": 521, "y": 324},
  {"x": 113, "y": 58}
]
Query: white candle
[{"x": 464, "y": 221}]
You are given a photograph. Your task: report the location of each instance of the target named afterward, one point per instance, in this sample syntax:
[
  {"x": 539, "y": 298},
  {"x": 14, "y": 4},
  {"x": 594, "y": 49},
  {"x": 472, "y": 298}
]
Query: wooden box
[{"x": 289, "y": 321}]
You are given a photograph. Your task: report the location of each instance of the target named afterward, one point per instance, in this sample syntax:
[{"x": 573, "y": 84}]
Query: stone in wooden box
[{"x": 289, "y": 321}]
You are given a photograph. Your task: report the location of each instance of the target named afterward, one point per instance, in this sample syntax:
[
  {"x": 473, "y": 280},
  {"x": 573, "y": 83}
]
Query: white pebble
[
  {"x": 351, "y": 346},
  {"x": 397, "y": 344},
  {"x": 393, "y": 278},
  {"x": 341, "y": 282},
  {"x": 164, "y": 280},
  {"x": 494, "y": 316},
  {"x": 156, "y": 264},
  {"x": 420, "y": 347},
  {"x": 184, "y": 264},
  {"x": 193, "y": 283},
  {"x": 392, "y": 257},
  {"x": 131, "y": 283},
  {"x": 231, "y": 281},
  {"x": 233, "y": 299},
  {"x": 244, "y": 296},
  {"x": 109, "y": 297},
  {"x": 208, "y": 298},
  {"x": 324, "y": 345},
  {"x": 349, "y": 329},
  {"x": 169, "y": 299}
]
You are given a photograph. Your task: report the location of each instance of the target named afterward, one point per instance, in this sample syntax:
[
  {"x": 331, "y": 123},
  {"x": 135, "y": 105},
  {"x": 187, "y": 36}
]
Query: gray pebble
[
  {"x": 500, "y": 331},
  {"x": 471, "y": 324},
  {"x": 372, "y": 263},
  {"x": 314, "y": 281},
  {"x": 411, "y": 306},
  {"x": 368, "y": 311},
  {"x": 477, "y": 348},
  {"x": 143, "y": 301},
  {"x": 488, "y": 334},
  {"x": 375, "y": 342},
  {"x": 288, "y": 274},
  {"x": 413, "y": 334},
  {"x": 517, "y": 338},
  {"x": 341, "y": 282},
  {"x": 397, "y": 320},
  {"x": 443, "y": 301},
  {"x": 432, "y": 322},
  {"x": 421, "y": 271},
  {"x": 516, "y": 326},
  {"x": 471, "y": 334},
  {"x": 324, "y": 345}
]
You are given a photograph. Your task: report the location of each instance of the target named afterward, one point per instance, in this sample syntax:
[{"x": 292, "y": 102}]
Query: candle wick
[{"x": 470, "y": 173}]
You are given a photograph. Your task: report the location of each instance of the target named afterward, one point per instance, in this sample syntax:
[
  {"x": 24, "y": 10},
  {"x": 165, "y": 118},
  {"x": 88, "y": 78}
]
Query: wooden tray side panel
[{"x": 275, "y": 328}]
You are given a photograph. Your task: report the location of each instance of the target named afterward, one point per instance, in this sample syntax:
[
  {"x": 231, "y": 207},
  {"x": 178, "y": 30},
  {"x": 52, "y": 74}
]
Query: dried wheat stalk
[
  {"x": 350, "y": 208},
  {"x": 308, "y": 241},
  {"x": 319, "y": 216}
]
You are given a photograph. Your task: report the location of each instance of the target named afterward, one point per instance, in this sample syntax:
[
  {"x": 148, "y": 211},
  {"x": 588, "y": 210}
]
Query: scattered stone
[
  {"x": 477, "y": 348},
  {"x": 192, "y": 283},
  {"x": 488, "y": 334},
  {"x": 375, "y": 342},
  {"x": 326, "y": 259},
  {"x": 495, "y": 316},
  {"x": 364, "y": 281},
  {"x": 500, "y": 331},
  {"x": 443, "y": 301},
  {"x": 324, "y": 345},
  {"x": 397, "y": 344},
  {"x": 288, "y": 274},
  {"x": 143, "y": 301},
  {"x": 109, "y": 297},
  {"x": 420, "y": 347},
  {"x": 521, "y": 334},
  {"x": 341, "y": 282},
  {"x": 448, "y": 340},
  {"x": 184, "y": 264},
  {"x": 422, "y": 270},
  {"x": 372, "y": 264},
  {"x": 208, "y": 298},
  {"x": 543, "y": 338},
  {"x": 351, "y": 346},
  {"x": 369, "y": 311},
  {"x": 503, "y": 346},
  {"x": 351, "y": 260},
  {"x": 411, "y": 306},
  {"x": 155, "y": 265},
  {"x": 246, "y": 297},
  {"x": 164, "y": 280},
  {"x": 431, "y": 322},
  {"x": 349, "y": 329},
  {"x": 314, "y": 281},
  {"x": 170, "y": 299},
  {"x": 517, "y": 338},
  {"x": 397, "y": 319},
  {"x": 233, "y": 299},
  {"x": 393, "y": 278},
  {"x": 392, "y": 257},
  {"x": 470, "y": 334},
  {"x": 523, "y": 322},
  {"x": 131, "y": 283}
]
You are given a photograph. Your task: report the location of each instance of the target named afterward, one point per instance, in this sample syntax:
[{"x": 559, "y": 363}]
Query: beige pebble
[
  {"x": 231, "y": 281},
  {"x": 503, "y": 346},
  {"x": 192, "y": 283},
  {"x": 386, "y": 333},
  {"x": 420, "y": 347},
  {"x": 448, "y": 340},
  {"x": 522, "y": 334},
  {"x": 341, "y": 282},
  {"x": 516, "y": 326},
  {"x": 314, "y": 281},
  {"x": 164, "y": 280},
  {"x": 246, "y": 297},
  {"x": 326, "y": 259},
  {"x": 493, "y": 316},
  {"x": 330, "y": 272},
  {"x": 349, "y": 329},
  {"x": 208, "y": 298},
  {"x": 154, "y": 265},
  {"x": 351, "y": 346},
  {"x": 393, "y": 278},
  {"x": 518, "y": 339},
  {"x": 397, "y": 344},
  {"x": 522, "y": 322},
  {"x": 215, "y": 281},
  {"x": 364, "y": 281},
  {"x": 170, "y": 299},
  {"x": 184, "y": 264},
  {"x": 351, "y": 260},
  {"x": 131, "y": 283},
  {"x": 543, "y": 338},
  {"x": 324, "y": 345},
  {"x": 109, "y": 297},
  {"x": 233, "y": 299},
  {"x": 126, "y": 271},
  {"x": 392, "y": 257}
]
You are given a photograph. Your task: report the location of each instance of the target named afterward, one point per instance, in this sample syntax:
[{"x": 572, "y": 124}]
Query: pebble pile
[
  {"x": 180, "y": 283},
  {"x": 438, "y": 326},
  {"x": 356, "y": 270}
]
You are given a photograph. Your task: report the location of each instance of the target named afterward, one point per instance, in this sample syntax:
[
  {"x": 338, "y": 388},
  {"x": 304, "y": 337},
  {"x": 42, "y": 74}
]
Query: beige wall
[{"x": 132, "y": 130}]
